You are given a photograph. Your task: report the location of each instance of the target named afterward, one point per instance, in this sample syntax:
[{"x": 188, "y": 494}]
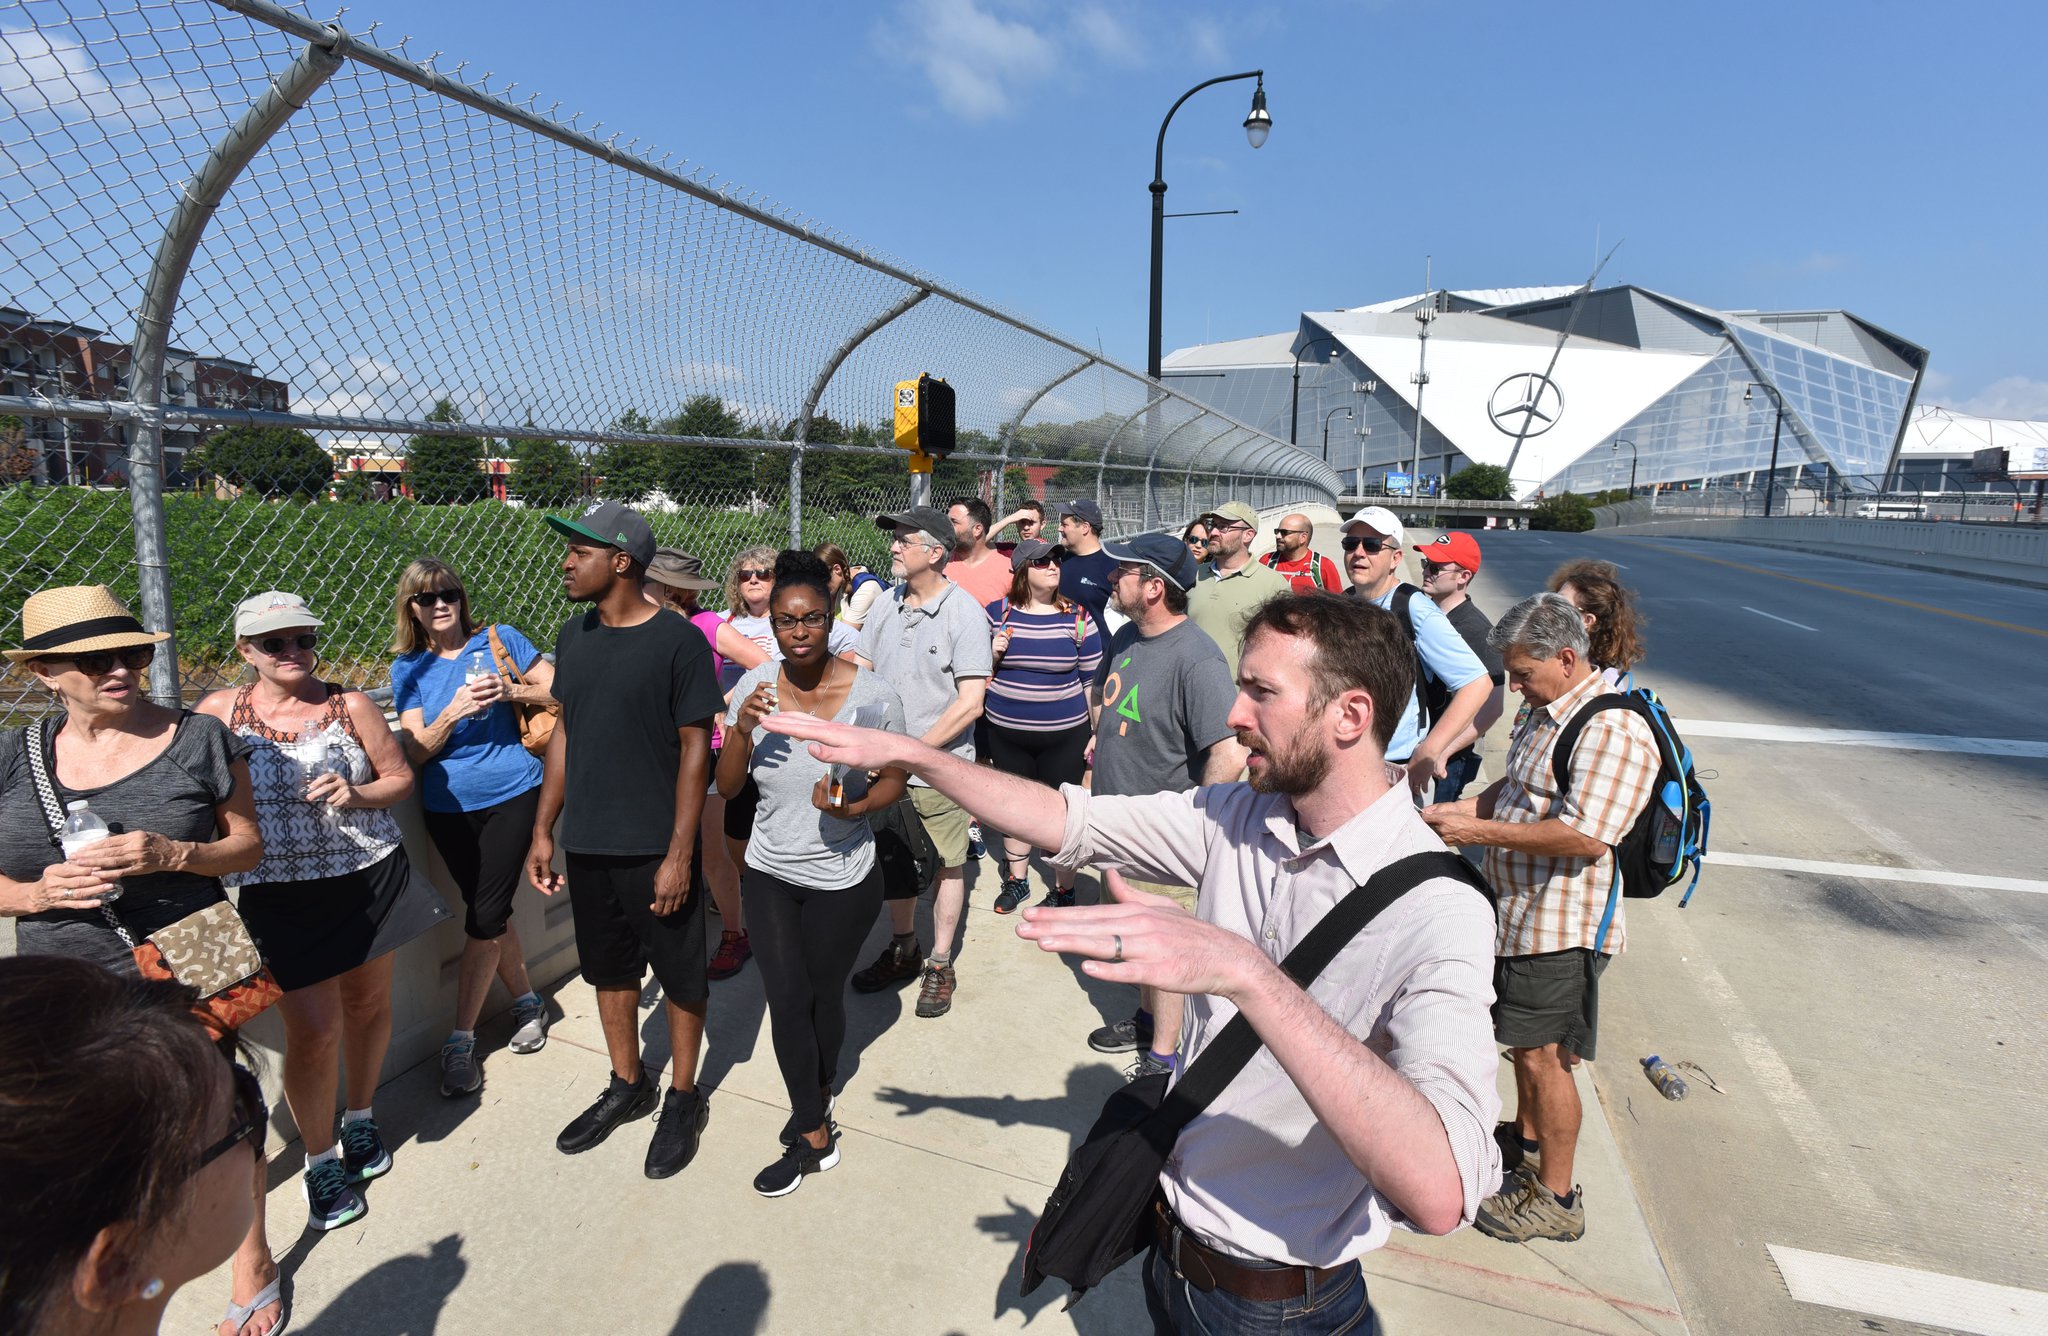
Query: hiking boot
[
  {"x": 330, "y": 1201},
  {"x": 791, "y": 1133},
  {"x": 459, "y": 1073},
  {"x": 362, "y": 1151},
  {"x": 530, "y": 1026},
  {"x": 935, "y": 993},
  {"x": 896, "y": 965},
  {"x": 620, "y": 1103},
  {"x": 1016, "y": 890},
  {"x": 1524, "y": 1210},
  {"x": 1058, "y": 899},
  {"x": 1148, "y": 1064},
  {"x": 782, "y": 1177},
  {"x": 1122, "y": 1036},
  {"x": 676, "y": 1134},
  {"x": 977, "y": 848},
  {"x": 732, "y": 955}
]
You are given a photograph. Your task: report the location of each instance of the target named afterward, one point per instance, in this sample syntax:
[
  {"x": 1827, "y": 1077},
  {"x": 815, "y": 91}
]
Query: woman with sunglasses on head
[
  {"x": 174, "y": 788},
  {"x": 126, "y": 1149},
  {"x": 812, "y": 884},
  {"x": 334, "y": 895},
  {"x": 479, "y": 788},
  {"x": 1047, "y": 649}
]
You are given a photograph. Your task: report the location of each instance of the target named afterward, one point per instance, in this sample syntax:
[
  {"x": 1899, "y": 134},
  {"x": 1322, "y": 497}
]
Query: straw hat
[{"x": 76, "y": 619}]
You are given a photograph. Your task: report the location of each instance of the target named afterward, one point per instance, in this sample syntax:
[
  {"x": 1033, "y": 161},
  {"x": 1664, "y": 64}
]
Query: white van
[{"x": 1891, "y": 510}]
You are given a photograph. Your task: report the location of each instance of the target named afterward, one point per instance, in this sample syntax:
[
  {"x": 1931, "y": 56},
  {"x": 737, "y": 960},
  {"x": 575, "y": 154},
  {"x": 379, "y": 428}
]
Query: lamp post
[
  {"x": 1294, "y": 410},
  {"x": 1633, "y": 460},
  {"x": 1257, "y": 126},
  {"x": 1326, "y": 429},
  {"x": 1770, "y": 481}
]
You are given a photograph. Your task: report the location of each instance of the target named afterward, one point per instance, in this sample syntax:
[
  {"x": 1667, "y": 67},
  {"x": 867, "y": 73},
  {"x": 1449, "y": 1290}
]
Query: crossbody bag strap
[
  {"x": 504, "y": 656},
  {"x": 33, "y": 738},
  {"x": 1223, "y": 1059}
]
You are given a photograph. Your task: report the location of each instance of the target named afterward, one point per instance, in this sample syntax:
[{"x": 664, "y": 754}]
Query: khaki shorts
[
  {"x": 1184, "y": 896},
  {"x": 945, "y": 821}
]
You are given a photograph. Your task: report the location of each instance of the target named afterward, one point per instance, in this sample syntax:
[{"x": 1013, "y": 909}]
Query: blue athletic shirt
[{"x": 483, "y": 763}]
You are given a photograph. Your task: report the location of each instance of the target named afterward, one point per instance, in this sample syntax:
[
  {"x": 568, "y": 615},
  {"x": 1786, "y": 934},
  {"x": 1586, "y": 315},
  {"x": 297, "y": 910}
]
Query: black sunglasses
[
  {"x": 252, "y": 1116},
  {"x": 276, "y": 645},
  {"x": 1430, "y": 568},
  {"x": 1196, "y": 542},
  {"x": 1043, "y": 563},
  {"x": 746, "y": 573},
  {"x": 1373, "y": 546},
  {"x": 100, "y": 662},
  {"x": 427, "y": 598}
]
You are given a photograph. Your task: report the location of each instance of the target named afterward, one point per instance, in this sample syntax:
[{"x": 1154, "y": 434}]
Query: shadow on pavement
[
  {"x": 1090, "y": 1318},
  {"x": 731, "y": 1300},
  {"x": 1074, "y": 1112},
  {"x": 401, "y": 1297}
]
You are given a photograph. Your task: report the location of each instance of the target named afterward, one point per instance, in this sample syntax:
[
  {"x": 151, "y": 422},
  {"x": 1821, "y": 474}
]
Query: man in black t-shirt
[
  {"x": 1448, "y": 565},
  {"x": 626, "y": 773}
]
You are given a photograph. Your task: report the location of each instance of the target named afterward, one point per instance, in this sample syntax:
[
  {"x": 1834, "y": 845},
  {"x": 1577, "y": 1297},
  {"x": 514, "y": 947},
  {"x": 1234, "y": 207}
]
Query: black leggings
[
  {"x": 805, "y": 941},
  {"x": 485, "y": 851},
  {"x": 1052, "y": 759}
]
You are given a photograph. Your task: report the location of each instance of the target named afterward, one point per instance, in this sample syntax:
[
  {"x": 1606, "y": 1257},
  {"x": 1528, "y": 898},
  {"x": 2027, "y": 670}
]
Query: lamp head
[{"x": 1258, "y": 125}]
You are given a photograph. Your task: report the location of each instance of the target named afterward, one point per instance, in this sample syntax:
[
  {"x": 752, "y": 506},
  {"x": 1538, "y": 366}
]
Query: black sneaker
[
  {"x": 1058, "y": 899},
  {"x": 782, "y": 1177},
  {"x": 362, "y": 1151},
  {"x": 894, "y": 967},
  {"x": 791, "y": 1133},
  {"x": 1122, "y": 1036},
  {"x": 620, "y": 1103},
  {"x": 977, "y": 848},
  {"x": 677, "y": 1132},
  {"x": 1016, "y": 890},
  {"x": 330, "y": 1201}
]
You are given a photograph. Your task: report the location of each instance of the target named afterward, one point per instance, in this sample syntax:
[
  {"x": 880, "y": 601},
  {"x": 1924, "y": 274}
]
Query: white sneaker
[{"x": 530, "y": 1020}]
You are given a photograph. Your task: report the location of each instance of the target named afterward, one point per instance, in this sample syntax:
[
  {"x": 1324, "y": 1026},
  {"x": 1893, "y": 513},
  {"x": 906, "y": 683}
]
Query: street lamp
[
  {"x": 1770, "y": 482},
  {"x": 1294, "y": 410},
  {"x": 1633, "y": 460},
  {"x": 1326, "y": 429},
  {"x": 1257, "y": 126}
]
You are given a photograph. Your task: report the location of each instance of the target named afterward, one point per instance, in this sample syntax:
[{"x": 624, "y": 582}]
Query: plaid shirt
[{"x": 1555, "y": 903}]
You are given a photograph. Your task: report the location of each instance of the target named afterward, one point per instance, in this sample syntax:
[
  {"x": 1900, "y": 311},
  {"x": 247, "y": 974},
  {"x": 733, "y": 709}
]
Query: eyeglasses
[
  {"x": 276, "y": 645},
  {"x": 252, "y": 1115},
  {"x": 100, "y": 662},
  {"x": 1142, "y": 572},
  {"x": 427, "y": 598},
  {"x": 1371, "y": 546},
  {"x": 1235, "y": 526},
  {"x": 812, "y": 621},
  {"x": 747, "y": 573}
]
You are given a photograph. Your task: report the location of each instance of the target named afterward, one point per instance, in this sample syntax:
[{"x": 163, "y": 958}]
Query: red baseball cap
[{"x": 1455, "y": 548}]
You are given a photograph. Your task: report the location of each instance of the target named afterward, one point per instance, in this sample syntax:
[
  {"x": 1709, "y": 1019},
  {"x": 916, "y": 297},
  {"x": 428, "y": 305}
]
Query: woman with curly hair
[{"x": 1609, "y": 612}]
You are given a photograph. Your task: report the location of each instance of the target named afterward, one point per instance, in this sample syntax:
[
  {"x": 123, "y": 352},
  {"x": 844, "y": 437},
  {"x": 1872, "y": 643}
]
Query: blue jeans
[
  {"x": 1339, "y": 1308},
  {"x": 1458, "y": 772}
]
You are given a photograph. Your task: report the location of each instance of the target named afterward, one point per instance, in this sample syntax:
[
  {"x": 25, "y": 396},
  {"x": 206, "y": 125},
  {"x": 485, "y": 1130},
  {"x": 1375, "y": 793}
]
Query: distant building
[
  {"x": 1696, "y": 391},
  {"x": 46, "y": 359},
  {"x": 1941, "y": 444}
]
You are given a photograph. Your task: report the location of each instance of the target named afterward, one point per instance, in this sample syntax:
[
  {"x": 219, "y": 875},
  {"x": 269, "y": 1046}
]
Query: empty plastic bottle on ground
[{"x": 1669, "y": 1083}]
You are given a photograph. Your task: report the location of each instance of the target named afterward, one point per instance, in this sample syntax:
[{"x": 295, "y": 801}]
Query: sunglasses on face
[
  {"x": 276, "y": 645},
  {"x": 812, "y": 621},
  {"x": 252, "y": 1115},
  {"x": 747, "y": 573},
  {"x": 1371, "y": 546},
  {"x": 1434, "y": 568},
  {"x": 1044, "y": 563},
  {"x": 100, "y": 662},
  {"x": 427, "y": 598},
  {"x": 1196, "y": 542}
]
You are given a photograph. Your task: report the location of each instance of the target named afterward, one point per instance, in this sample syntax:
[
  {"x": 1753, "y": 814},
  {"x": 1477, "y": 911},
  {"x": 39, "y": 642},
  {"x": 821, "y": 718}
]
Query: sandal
[{"x": 239, "y": 1314}]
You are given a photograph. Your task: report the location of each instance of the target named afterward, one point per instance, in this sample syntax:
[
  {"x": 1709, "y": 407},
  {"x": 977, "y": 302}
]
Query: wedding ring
[{"x": 1118, "y": 958}]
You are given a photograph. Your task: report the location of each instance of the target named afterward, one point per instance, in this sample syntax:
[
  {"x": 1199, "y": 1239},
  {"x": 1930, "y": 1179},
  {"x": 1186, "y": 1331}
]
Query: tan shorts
[
  {"x": 945, "y": 821},
  {"x": 1184, "y": 896}
]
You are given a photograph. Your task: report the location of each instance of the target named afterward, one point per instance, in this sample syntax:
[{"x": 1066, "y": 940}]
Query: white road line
[
  {"x": 1857, "y": 737},
  {"x": 1881, "y": 872},
  {"x": 1544, "y": 541},
  {"x": 1776, "y": 618},
  {"x": 1906, "y": 1295}
]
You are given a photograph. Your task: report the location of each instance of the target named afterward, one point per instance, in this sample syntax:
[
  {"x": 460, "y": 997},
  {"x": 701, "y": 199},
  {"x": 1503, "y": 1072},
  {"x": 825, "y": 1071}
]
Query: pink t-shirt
[
  {"x": 708, "y": 623},
  {"x": 987, "y": 580}
]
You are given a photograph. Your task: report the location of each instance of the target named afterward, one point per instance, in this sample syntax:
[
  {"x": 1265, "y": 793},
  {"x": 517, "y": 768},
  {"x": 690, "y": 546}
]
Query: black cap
[
  {"x": 1163, "y": 553},
  {"x": 1084, "y": 509},
  {"x": 611, "y": 525},
  {"x": 1031, "y": 549},
  {"x": 925, "y": 519}
]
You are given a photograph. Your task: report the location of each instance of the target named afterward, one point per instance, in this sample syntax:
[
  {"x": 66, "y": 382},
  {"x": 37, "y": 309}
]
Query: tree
[
  {"x": 270, "y": 461},
  {"x": 17, "y": 456},
  {"x": 628, "y": 470},
  {"x": 1480, "y": 482},
  {"x": 446, "y": 470},
  {"x": 546, "y": 473},
  {"x": 692, "y": 472},
  {"x": 1567, "y": 512}
]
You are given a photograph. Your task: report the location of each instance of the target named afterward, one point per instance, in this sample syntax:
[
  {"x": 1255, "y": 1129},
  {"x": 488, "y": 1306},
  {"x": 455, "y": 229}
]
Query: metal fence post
[
  {"x": 202, "y": 195},
  {"x": 796, "y": 495}
]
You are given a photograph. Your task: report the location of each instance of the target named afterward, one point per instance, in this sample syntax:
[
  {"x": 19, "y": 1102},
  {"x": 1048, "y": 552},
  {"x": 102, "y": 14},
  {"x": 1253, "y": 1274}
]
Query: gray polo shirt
[{"x": 926, "y": 651}]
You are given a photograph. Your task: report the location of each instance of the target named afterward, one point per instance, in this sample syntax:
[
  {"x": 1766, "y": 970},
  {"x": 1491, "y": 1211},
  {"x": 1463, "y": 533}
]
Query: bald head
[{"x": 1291, "y": 537}]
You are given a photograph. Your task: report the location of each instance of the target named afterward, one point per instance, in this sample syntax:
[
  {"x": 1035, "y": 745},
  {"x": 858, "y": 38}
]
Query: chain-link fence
[{"x": 286, "y": 307}]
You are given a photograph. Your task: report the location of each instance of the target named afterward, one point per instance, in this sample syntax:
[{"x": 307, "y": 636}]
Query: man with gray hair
[{"x": 1550, "y": 841}]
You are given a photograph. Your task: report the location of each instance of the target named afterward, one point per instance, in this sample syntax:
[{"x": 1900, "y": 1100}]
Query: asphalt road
[{"x": 1880, "y": 1042}]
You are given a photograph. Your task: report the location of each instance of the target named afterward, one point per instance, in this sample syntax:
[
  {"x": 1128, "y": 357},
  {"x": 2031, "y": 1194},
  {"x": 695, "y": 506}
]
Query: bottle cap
[{"x": 75, "y": 804}]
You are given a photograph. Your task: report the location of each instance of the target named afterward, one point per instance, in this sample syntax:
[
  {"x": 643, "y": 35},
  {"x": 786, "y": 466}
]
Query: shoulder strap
[
  {"x": 1403, "y": 592},
  {"x": 1223, "y": 1059},
  {"x": 1568, "y": 736},
  {"x": 503, "y": 656},
  {"x": 34, "y": 736}
]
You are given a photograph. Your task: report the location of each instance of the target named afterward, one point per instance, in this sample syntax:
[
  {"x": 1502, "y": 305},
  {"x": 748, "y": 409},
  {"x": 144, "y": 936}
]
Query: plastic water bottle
[
  {"x": 316, "y": 758},
  {"x": 1669, "y": 1083},
  {"x": 477, "y": 668},
  {"x": 82, "y": 827},
  {"x": 1664, "y": 842}
]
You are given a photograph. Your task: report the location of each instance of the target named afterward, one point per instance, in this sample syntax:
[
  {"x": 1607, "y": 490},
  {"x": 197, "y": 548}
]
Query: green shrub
[
  {"x": 1567, "y": 512},
  {"x": 1480, "y": 482}
]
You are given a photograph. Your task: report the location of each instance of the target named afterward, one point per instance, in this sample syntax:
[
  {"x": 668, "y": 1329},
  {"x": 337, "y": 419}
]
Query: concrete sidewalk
[{"x": 955, "y": 1130}]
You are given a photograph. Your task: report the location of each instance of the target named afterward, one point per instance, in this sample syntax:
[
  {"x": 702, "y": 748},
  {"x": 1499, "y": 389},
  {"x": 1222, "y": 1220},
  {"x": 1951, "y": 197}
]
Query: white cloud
[
  {"x": 978, "y": 61},
  {"x": 2020, "y": 397},
  {"x": 1205, "y": 38},
  {"x": 50, "y": 72},
  {"x": 698, "y": 374},
  {"x": 1107, "y": 35}
]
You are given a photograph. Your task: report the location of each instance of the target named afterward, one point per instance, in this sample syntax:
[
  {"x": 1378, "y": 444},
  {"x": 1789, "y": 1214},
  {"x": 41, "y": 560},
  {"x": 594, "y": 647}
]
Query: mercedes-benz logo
[{"x": 1527, "y": 404}]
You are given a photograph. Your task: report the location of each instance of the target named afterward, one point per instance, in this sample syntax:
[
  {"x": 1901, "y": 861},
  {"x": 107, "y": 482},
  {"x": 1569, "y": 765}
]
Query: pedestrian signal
[{"x": 924, "y": 420}]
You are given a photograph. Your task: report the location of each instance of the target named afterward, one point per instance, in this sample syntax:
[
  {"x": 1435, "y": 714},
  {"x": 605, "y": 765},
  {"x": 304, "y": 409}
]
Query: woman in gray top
[{"x": 811, "y": 886}]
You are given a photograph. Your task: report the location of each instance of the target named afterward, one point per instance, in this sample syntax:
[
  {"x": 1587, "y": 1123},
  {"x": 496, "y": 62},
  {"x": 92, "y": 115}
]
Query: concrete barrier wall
[{"x": 1963, "y": 548}]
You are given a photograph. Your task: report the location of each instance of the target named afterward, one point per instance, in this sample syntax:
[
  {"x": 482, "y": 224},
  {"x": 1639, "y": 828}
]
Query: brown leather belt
[{"x": 1206, "y": 1269}]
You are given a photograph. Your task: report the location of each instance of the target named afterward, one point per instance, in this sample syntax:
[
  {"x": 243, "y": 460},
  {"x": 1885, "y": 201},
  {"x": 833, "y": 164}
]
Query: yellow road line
[{"x": 1844, "y": 589}]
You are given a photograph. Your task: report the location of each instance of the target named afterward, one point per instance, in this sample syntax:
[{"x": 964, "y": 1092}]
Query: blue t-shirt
[
  {"x": 1445, "y": 656},
  {"x": 483, "y": 763}
]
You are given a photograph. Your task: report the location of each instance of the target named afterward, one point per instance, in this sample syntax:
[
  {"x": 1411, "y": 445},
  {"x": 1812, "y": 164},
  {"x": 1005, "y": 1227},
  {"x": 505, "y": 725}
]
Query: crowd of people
[{"x": 1231, "y": 743}]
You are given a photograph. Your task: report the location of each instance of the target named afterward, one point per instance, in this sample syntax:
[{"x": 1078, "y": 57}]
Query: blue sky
[{"x": 1881, "y": 157}]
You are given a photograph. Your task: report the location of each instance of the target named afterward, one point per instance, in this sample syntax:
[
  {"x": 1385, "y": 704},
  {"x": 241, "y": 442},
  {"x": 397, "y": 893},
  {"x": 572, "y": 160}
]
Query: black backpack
[
  {"x": 1670, "y": 832},
  {"x": 1425, "y": 714}
]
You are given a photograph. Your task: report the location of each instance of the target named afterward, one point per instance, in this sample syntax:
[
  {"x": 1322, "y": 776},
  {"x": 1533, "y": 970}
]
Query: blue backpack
[{"x": 1670, "y": 833}]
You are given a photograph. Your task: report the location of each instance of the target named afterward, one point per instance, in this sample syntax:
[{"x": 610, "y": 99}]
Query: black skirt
[{"x": 311, "y": 931}]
